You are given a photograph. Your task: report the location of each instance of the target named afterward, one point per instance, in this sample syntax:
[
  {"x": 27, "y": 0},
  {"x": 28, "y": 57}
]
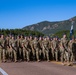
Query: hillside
[{"x": 49, "y": 28}]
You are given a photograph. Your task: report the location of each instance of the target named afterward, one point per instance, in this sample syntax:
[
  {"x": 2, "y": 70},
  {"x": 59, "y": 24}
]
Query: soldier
[
  {"x": 2, "y": 44},
  {"x": 48, "y": 39},
  {"x": 49, "y": 46},
  {"x": 13, "y": 48},
  {"x": 20, "y": 47},
  {"x": 53, "y": 47},
  {"x": 56, "y": 49},
  {"x": 31, "y": 47},
  {"x": 64, "y": 42},
  {"x": 19, "y": 51},
  {"x": 26, "y": 49},
  {"x": 7, "y": 47},
  {"x": 43, "y": 50},
  {"x": 62, "y": 52},
  {"x": 23, "y": 47},
  {"x": 70, "y": 52},
  {"x": 36, "y": 48},
  {"x": 74, "y": 50},
  {"x": 40, "y": 46},
  {"x": 0, "y": 50},
  {"x": 45, "y": 45}
]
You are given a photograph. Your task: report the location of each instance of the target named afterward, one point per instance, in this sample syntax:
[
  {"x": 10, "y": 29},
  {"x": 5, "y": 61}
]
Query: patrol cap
[
  {"x": 41, "y": 37},
  {"x": 48, "y": 36},
  {"x": 64, "y": 33},
  {"x": 18, "y": 35},
  {"x": 21, "y": 35},
  {"x": 54, "y": 37},
  {"x": 36, "y": 36},
  {"x": 12, "y": 35},
  {"x": 57, "y": 37},
  {"x": 30, "y": 34},
  {"x": 8, "y": 35},
  {"x": 44, "y": 37},
  {"x": 25, "y": 36},
  {"x": 1, "y": 34}
]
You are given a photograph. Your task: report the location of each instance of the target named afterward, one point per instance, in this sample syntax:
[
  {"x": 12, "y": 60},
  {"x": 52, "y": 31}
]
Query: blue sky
[{"x": 19, "y": 13}]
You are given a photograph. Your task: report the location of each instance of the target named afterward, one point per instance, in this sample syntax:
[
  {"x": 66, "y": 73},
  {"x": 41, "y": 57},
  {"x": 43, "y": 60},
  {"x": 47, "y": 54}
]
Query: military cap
[
  {"x": 44, "y": 37},
  {"x": 64, "y": 33}
]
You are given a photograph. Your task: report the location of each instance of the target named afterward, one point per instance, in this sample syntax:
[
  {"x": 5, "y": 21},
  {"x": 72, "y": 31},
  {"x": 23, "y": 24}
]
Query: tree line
[
  {"x": 32, "y": 33},
  {"x": 20, "y": 32}
]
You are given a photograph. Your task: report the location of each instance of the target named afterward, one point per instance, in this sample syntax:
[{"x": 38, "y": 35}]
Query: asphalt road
[{"x": 37, "y": 68}]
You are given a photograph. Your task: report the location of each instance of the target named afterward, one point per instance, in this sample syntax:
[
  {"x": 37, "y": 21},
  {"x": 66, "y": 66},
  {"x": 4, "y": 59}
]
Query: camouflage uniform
[
  {"x": 2, "y": 40},
  {"x": 74, "y": 50},
  {"x": 45, "y": 45},
  {"x": 32, "y": 49},
  {"x": 40, "y": 47},
  {"x": 64, "y": 42},
  {"x": 19, "y": 47},
  {"x": 8, "y": 49},
  {"x": 26, "y": 49},
  {"x": 62, "y": 52},
  {"x": 70, "y": 51},
  {"x": 0, "y": 51},
  {"x": 0, "y": 54},
  {"x": 36, "y": 48},
  {"x": 13, "y": 48},
  {"x": 55, "y": 49}
]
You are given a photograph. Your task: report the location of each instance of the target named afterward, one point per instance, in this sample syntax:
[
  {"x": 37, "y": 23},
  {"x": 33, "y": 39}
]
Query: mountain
[{"x": 48, "y": 28}]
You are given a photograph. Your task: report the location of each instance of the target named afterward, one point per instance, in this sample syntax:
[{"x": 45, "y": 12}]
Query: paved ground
[
  {"x": 37, "y": 68},
  {"x": 0, "y": 73}
]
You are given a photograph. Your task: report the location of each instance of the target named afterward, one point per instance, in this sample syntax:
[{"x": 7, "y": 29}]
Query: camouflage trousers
[
  {"x": 71, "y": 56},
  {"x": 53, "y": 54},
  {"x": 46, "y": 53},
  {"x": 0, "y": 55},
  {"x": 64, "y": 56},
  {"x": 56, "y": 55},
  {"x": 15, "y": 55},
  {"x": 33, "y": 54},
  {"x": 37, "y": 54},
  {"x": 26, "y": 54},
  {"x": 20, "y": 52},
  {"x": 4, "y": 55},
  {"x": 9, "y": 53}
]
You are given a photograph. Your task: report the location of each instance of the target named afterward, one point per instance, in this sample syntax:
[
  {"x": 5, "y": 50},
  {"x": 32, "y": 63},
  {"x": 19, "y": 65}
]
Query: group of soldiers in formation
[{"x": 28, "y": 48}]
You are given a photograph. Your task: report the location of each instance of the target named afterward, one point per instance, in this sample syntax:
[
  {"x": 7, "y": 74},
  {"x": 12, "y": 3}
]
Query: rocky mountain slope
[{"x": 49, "y": 28}]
